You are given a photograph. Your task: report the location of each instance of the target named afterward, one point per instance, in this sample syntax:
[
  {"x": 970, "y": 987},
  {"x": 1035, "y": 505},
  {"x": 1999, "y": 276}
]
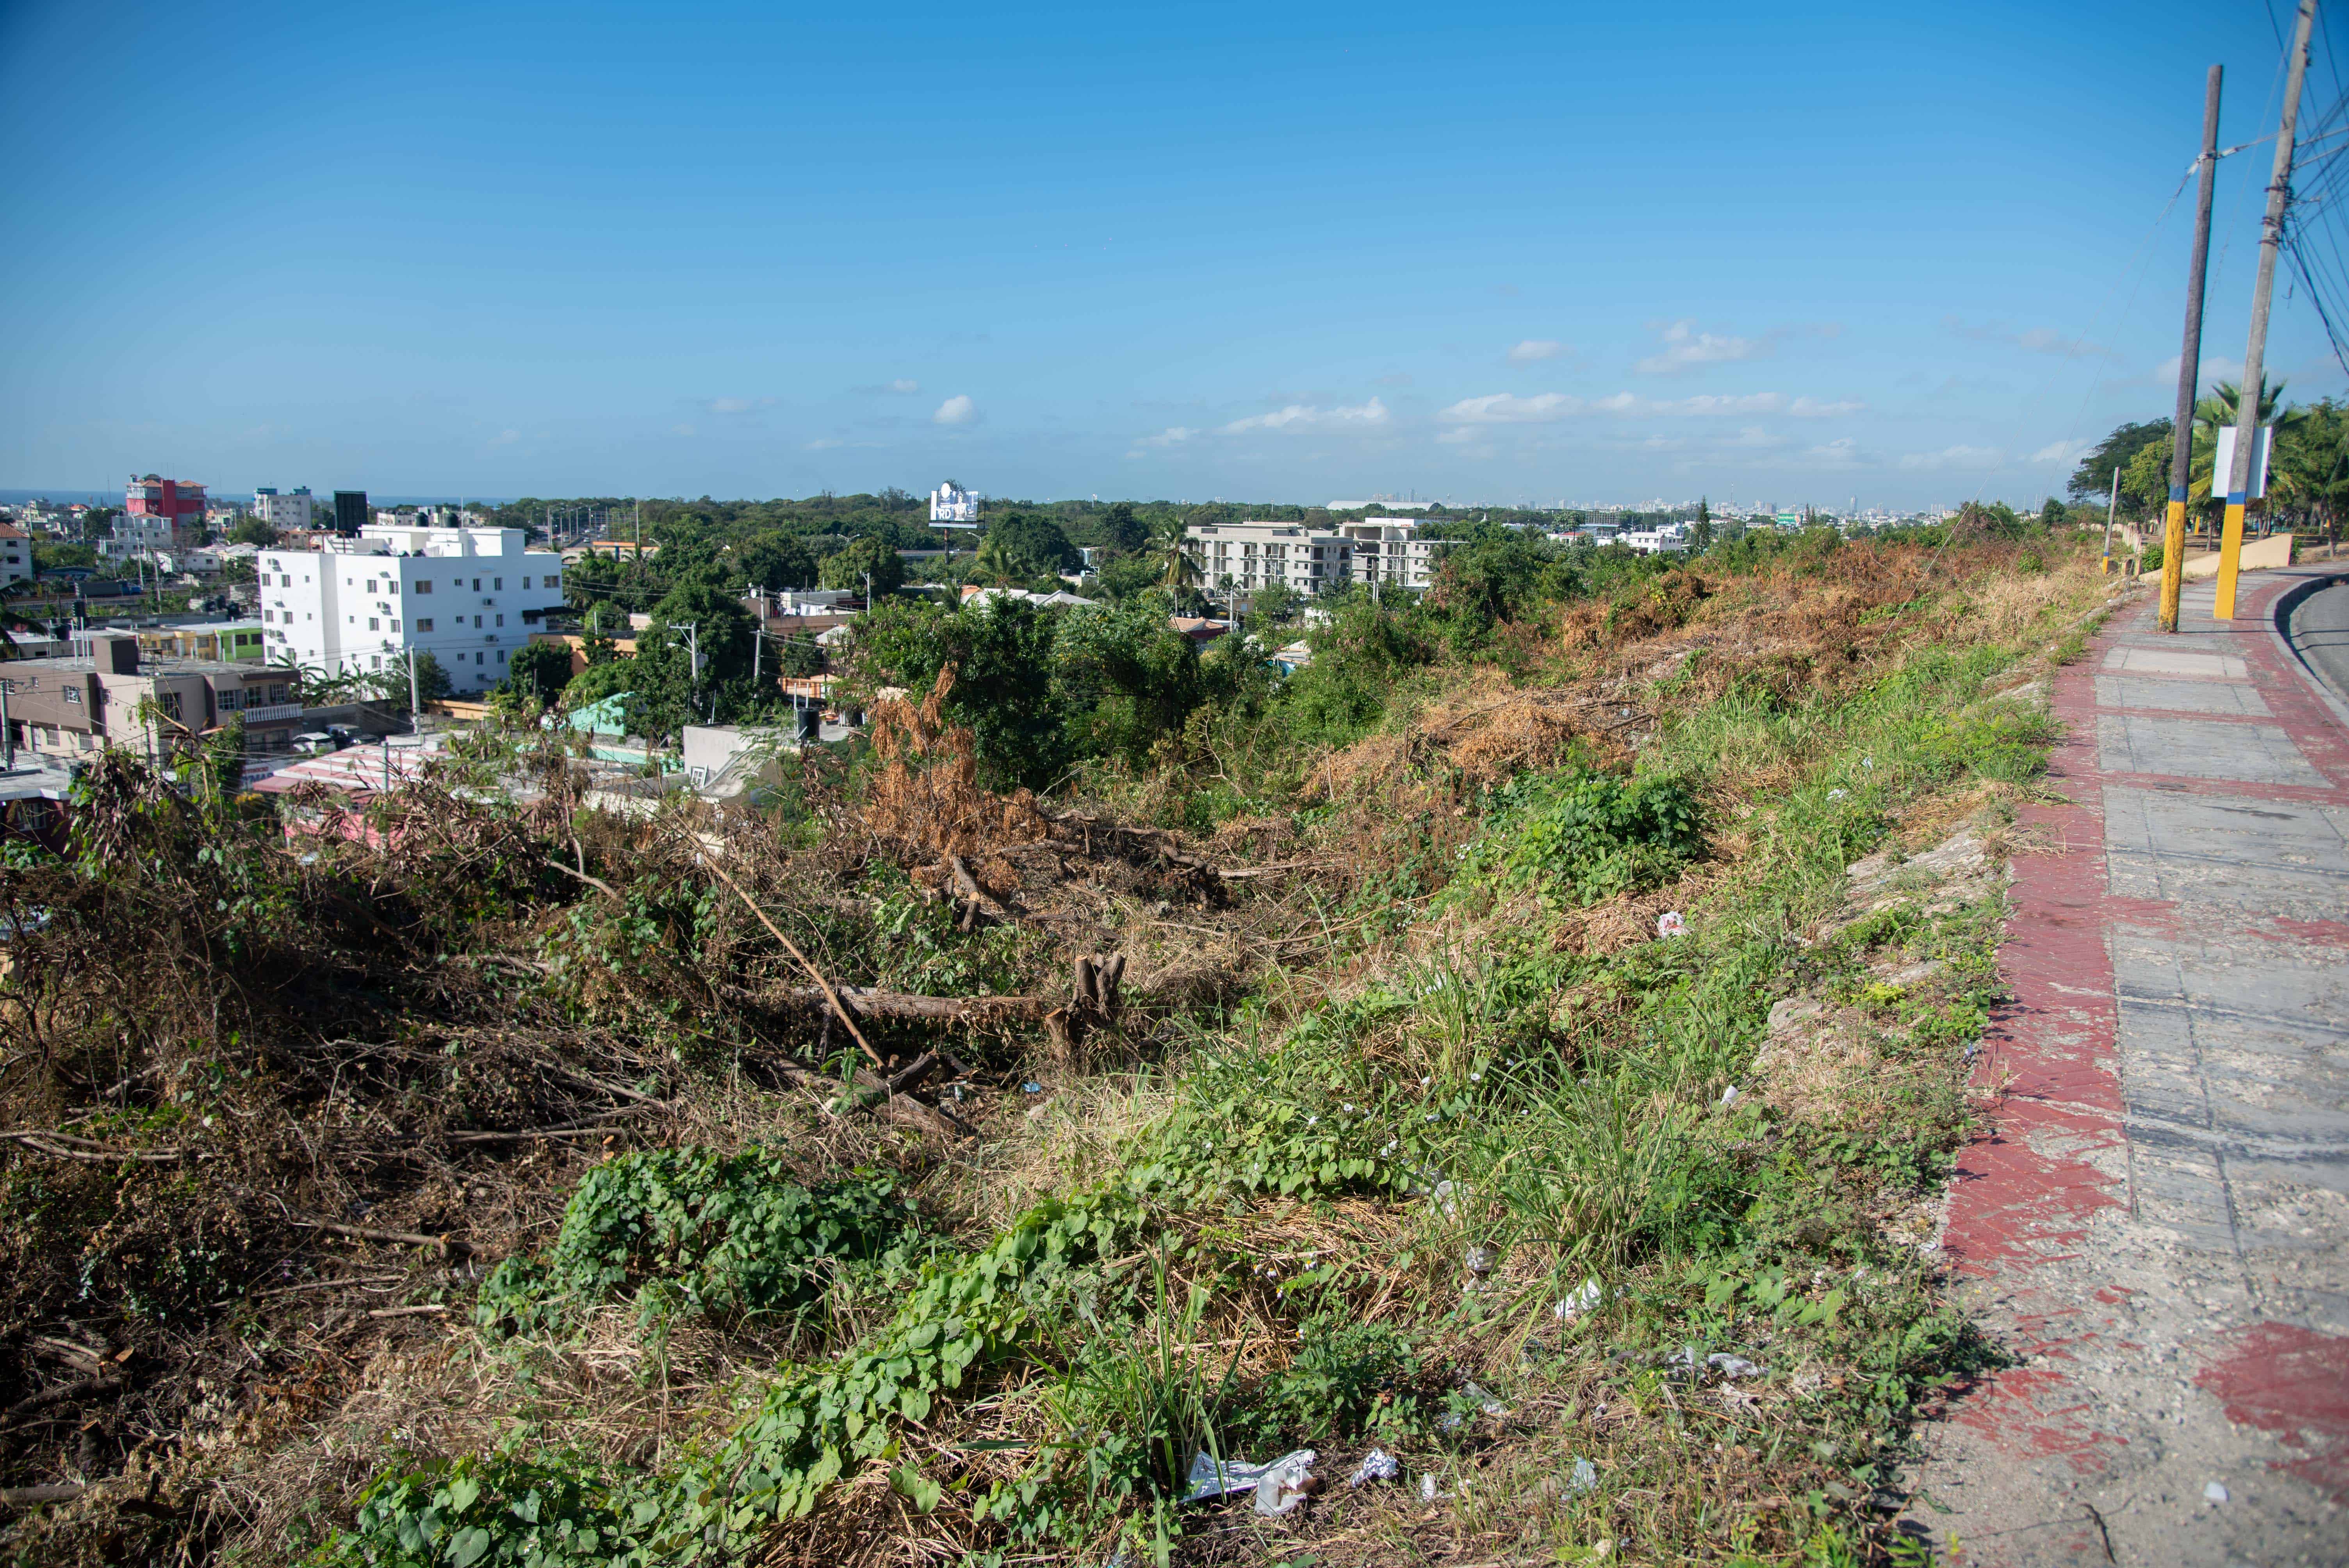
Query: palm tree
[
  {"x": 2218, "y": 411},
  {"x": 1170, "y": 544}
]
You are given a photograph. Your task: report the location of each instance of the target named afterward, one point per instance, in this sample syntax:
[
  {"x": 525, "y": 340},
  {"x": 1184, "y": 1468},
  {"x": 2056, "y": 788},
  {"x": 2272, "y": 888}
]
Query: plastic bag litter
[
  {"x": 1670, "y": 923},
  {"x": 1729, "y": 1095},
  {"x": 1485, "y": 1401},
  {"x": 1585, "y": 1476},
  {"x": 1481, "y": 1260},
  {"x": 1579, "y": 1302},
  {"x": 1427, "y": 1493},
  {"x": 1377, "y": 1465},
  {"x": 1279, "y": 1486},
  {"x": 1835, "y": 794},
  {"x": 1733, "y": 1366}
]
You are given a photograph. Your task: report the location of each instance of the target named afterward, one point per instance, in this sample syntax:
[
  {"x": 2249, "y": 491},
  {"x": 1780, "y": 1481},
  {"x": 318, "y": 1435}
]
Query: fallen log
[{"x": 873, "y": 1004}]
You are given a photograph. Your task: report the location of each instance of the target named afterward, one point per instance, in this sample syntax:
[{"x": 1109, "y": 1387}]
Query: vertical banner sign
[{"x": 2224, "y": 464}]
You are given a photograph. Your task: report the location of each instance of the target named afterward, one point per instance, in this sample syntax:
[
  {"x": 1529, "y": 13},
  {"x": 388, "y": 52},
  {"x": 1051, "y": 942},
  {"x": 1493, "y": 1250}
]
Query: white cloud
[
  {"x": 1685, "y": 349},
  {"x": 1954, "y": 458},
  {"x": 825, "y": 443},
  {"x": 957, "y": 409},
  {"x": 2037, "y": 339},
  {"x": 2214, "y": 367},
  {"x": 1843, "y": 453},
  {"x": 737, "y": 404},
  {"x": 903, "y": 386},
  {"x": 1509, "y": 409},
  {"x": 1172, "y": 436},
  {"x": 681, "y": 431},
  {"x": 1371, "y": 415},
  {"x": 505, "y": 437},
  {"x": 1534, "y": 349},
  {"x": 2065, "y": 452}
]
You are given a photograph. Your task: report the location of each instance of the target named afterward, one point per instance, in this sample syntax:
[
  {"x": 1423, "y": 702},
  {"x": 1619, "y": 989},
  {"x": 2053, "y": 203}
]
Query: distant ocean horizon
[{"x": 65, "y": 496}]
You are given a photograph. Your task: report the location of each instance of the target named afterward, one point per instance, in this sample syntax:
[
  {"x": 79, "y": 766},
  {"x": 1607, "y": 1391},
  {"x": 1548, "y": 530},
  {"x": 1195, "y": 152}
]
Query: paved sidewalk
[{"x": 2157, "y": 1225}]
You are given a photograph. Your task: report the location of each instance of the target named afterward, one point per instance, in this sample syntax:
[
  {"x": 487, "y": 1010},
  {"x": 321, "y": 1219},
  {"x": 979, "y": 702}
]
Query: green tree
[
  {"x": 1002, "y": 654},
  {"x": 540, "y": 671},
  {"x": 1121, "y": 530},
  {"x": 1124, "y": 676},
  {"x": 863, "y": 559},
  {"x": 1701, "y": 535},
  {"x": 774, "y": 562},
  {"x": 2094, "y": 478},
  {"x": 253, "y": 531},
  {"x": 1178, "y": 570}
]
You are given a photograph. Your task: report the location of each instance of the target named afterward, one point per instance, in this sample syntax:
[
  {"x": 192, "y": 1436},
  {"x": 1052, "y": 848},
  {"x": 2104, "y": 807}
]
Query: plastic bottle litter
[
  {"x": 1279, "y": 1486},
  {"x": 1670, "y": 923},
  {"x": 1377, "y": 1465},
  {"x": 1579, "y": 1302}
]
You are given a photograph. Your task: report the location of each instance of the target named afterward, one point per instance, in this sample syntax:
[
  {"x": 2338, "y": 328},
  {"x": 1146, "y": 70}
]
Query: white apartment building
[
  {"x": 292, "y": 509},
  {"x": 15, "y": 553},
  {"x": 1387, "y": 550},
  {"x": 468, "y": 596},
  {"x": 1260, "y": 554}
]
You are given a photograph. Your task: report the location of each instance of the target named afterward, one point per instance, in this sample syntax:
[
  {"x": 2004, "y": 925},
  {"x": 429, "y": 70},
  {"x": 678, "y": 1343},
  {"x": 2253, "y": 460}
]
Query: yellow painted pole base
[
  {"x": 2173, "y": 564},
  {"x": 2231, "y": 562}
]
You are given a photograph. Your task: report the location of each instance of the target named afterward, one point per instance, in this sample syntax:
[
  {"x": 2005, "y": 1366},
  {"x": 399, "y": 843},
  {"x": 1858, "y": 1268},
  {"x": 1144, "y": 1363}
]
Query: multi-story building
[
  {"x": 15, "y": 553},
  {"x": 170, "y": 510},
  {"x": 286, "y": 509},
  {"x": 468, "y": 596},
  {"x": 1251, "y": 555},
  {"x": 107, "y": 693},
  {"x": 1389, "y": 551}
]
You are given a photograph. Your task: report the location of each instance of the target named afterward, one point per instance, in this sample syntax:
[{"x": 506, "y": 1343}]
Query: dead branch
[
  {"x": 793, "y": 948},
  {"x": 412, "y": 1238}
]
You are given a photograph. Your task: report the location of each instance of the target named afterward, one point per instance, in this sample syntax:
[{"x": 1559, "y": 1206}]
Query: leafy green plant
[
  {"x": 497, "y": 1511},
  {"x": 696, "y": 1232},
  {"x": 1579, "y": 837},
  {"x": 1346, "y": 1378}
]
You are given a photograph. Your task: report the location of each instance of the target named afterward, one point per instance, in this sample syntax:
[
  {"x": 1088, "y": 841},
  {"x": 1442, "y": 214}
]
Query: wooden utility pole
[
  {"x": 2247, "y": 414},
  {"x": 2190, "y": 369}
]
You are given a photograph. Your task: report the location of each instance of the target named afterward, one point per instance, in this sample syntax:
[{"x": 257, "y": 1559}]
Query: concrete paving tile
[
  {"x": 2198, "y": 749},
  {"x": 2180, "y": 696},
  {"x": 2163, "y": 660},
  {"x": 2276, "y": 859}
]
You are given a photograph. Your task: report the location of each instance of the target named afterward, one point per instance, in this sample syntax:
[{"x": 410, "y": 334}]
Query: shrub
[
  {"x": 1576, "y": 838},
  {"x": 699, "y": 1233}
]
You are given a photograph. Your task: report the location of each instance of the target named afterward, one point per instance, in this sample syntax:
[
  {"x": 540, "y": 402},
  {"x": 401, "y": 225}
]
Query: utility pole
[
  {"x": 2190, "y": 372},
  {"x": 7, "y": 736},
  {"x": 415, "y": 703},
  {"x": 2111, "y": 506},
  {"x": 2247, "y": 414}
]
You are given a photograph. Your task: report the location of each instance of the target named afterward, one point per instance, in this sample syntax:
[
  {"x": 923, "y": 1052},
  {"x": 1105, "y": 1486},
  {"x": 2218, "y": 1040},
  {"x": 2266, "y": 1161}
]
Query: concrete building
[
  {"x": 1387, "y": 551},
  {"x": 1254, "y": 555},
  {"x": 107, "y": 693},
  {"x": 227, "y": 642},
  {"x": 15, "y": 553},
  {"x": 285, "y": 509},
  {"x": 169, "y": 511},
  {"x": 468, "y": 596}
]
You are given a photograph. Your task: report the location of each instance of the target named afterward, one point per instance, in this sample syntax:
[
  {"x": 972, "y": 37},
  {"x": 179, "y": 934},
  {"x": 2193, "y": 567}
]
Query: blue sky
[{"x": 1301, "y": 252}]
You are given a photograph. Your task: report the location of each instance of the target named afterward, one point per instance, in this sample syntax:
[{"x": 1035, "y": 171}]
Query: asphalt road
[{"x": 2320, "y": 630}]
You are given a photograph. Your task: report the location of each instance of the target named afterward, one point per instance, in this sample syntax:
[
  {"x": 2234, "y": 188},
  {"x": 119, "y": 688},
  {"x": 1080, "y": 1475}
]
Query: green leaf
[
  {"x": 463, "y": 1492},
  {"x": 469, "y": 1546},
  {"x": 908, "y": 1482}
]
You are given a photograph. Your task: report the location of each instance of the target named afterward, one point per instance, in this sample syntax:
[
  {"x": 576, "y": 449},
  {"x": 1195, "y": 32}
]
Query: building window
[
  {"x": 371, "y": 587},
  {"x": 425, "y": 625},
  {"x": 277, "y": 694},
  {"x": 391, "y": 588},
  {"x": 395, "y": 625},
  {"x": 73, "y": 695},
  {"x": 477, "y": 584},
  {"x": 501, "y": 620},
  {"x": 424, "y": 585},
  {"x": 551, "y": 582},
  {"x": 371, "y": 624},
  {"x": 170, "y": 705},
  {"x": 228, "y": 698},
  {"x": 502, "y": 655},
  {"x": 499, "y": 583}
]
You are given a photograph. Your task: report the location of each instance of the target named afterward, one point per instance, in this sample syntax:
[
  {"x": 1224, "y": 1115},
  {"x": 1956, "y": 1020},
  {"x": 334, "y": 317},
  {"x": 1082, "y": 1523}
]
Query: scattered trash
[
  {"x": 2214, "y": 1492},
  {"x": 1579, "y": 1303},
  {"x": 1377, "y": 1465},
  {"x": 1729, "y": 1095},
  {"x": 1031, "y": 1086},
  {"x": 1837, "y": 794},
  {"x": 1869, "y": 763},
  {"x": 1733, "y": 1366},
  {"x": 1481, "y": 1260},
  {"x": 1585, "y": 1476},
  {"x": 1427, "y": 1493},
  {"x": 1670, "y": 923},
  {"x": 1279, "y": 1486}
]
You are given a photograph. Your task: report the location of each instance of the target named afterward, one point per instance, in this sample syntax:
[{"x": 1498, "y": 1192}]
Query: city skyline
[{"x": 1803, "y": 263}]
